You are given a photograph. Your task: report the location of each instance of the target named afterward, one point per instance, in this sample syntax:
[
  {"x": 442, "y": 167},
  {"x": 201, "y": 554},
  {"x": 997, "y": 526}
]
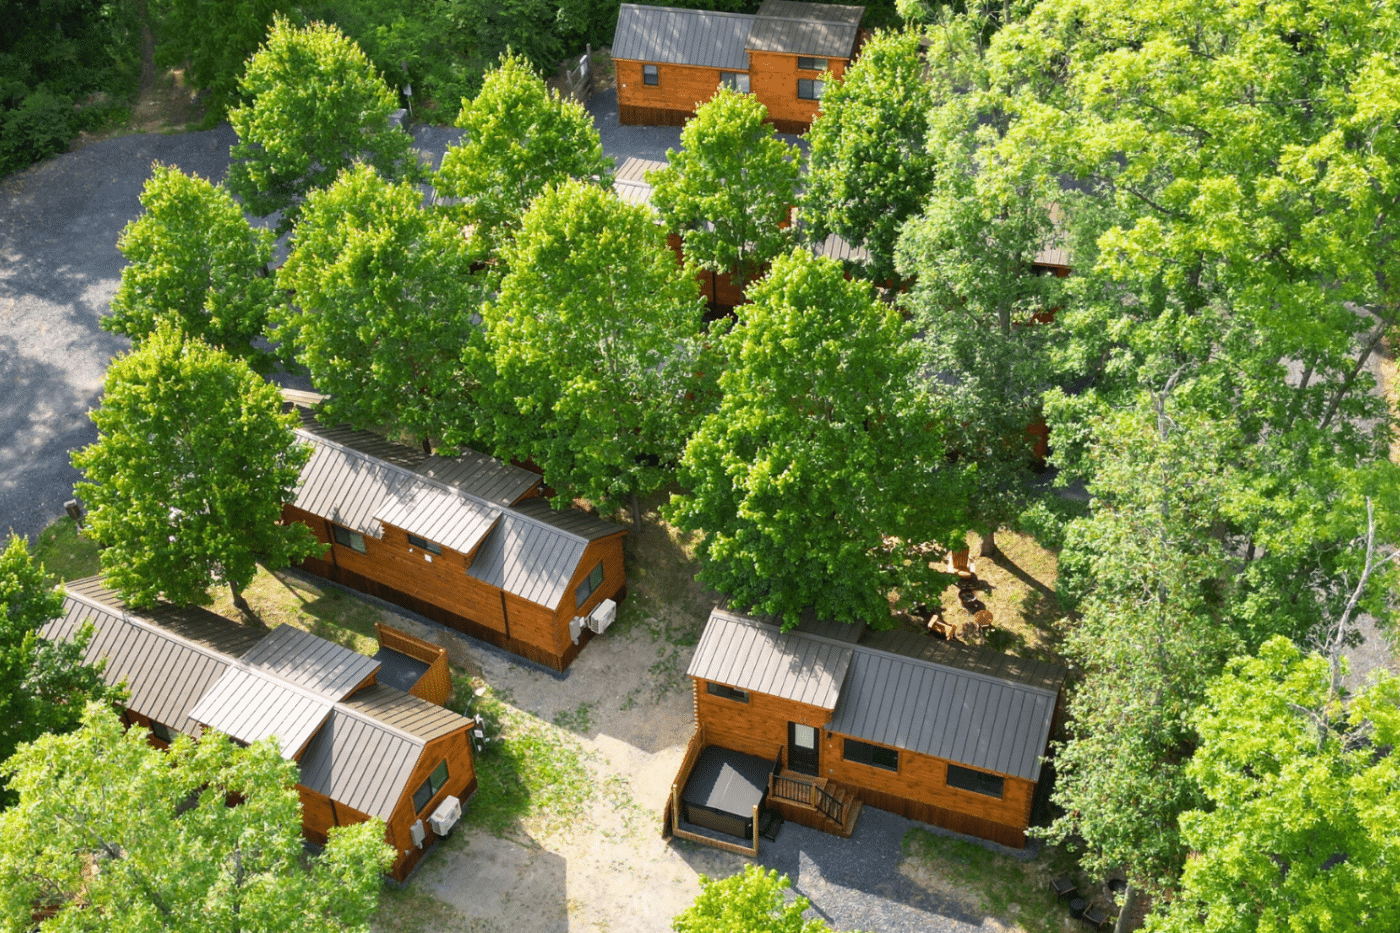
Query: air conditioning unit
[
  {"x": 602, "y": 616},
  {"x": 446, "y": 816}
]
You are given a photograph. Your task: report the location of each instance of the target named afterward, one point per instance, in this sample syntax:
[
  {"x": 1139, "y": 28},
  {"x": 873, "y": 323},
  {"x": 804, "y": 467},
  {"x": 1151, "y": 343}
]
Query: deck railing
[{"x": 801, "y": 790}]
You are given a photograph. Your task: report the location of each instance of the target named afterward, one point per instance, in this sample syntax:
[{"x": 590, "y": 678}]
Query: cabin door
[{"x": 802, "y": 748}]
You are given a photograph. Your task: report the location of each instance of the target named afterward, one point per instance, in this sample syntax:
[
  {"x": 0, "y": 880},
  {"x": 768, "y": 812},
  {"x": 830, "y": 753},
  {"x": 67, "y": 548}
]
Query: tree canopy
[
  {"x": 313, "y": 104},
  {"x": 192, "y": 256},
  {"x": 43, "y": 685},
  {"x": 751, "y": 901},
  {"x": 869, "y": 169},
  {"x": 383, "y": 299},
  {"x": 729, "y": 190},
  {"x": 593, "y": 343},
  {"x": 1297, "y": 828},
  {"x": 186, "y": 481},
  {"x": 112, "y": 833},
  {"x": 824, "y": 446},
  {"x": 517, "y": 139}
]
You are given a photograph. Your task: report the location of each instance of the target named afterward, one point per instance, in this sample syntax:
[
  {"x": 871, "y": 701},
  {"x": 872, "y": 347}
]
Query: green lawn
[{"x": 65, "y": 553}]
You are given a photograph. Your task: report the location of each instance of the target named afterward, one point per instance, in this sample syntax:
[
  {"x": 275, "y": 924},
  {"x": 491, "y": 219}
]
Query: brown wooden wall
[
  {"x": 614, "y": 586},
  {"x": 461, "y": 783},
  {"x": 442, "y": 590},
  {"x": 773, "y": 80},
  {"x": 435, "y": 685},
  {"x": 758, "y": 727},
  {"x": 680, "y": 89}
]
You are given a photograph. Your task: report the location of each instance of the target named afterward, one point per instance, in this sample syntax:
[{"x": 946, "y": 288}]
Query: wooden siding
[
  {"x": 442, "y": 590},
  {"x": 758, "y": 727},
  {"x": 461, "y": 783},
  {"x": 435, "y": 685},
  {"x": 678, "y": 91},
  {"x": 773, "y": 79}
]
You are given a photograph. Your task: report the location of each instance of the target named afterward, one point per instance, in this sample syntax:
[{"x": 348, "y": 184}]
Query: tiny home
[
  {"x": 467, "y": 541},
  {"x": 815, "y": 723},
  {"x": 363, "y": 748},
  {"x": 669, "y": 60}
]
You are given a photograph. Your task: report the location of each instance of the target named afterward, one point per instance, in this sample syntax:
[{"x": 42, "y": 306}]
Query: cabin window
[
  {"x": 810, "y": 90},
  {"x": 866, "y": 754},
  {"x": 735, "y": 81},
  {"x": 811, "y": 64},
  {"x": 425, "y": 794},
  {"x": 979, "y": 782},
  {"x": 729, "y": 693},
  {"x": 650, "y": 76},
  {"x": 347, "y": 538},
  {"x": 591, "y": 583},
  {"x": 163, "y": 732},
  {"x": 423, "y": 544}
]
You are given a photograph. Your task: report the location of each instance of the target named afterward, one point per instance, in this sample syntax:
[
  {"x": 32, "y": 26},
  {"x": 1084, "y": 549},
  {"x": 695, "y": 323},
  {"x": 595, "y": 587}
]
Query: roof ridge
[
  {"x": 149, "y": 624},
  {"x": 688, "y": 10},
  {"x": 447, "y": 487},
  {"x": 856, "y": 646}
]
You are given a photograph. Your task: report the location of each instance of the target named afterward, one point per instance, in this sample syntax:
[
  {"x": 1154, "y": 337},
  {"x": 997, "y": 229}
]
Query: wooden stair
[{"x": 808, "y": 814}]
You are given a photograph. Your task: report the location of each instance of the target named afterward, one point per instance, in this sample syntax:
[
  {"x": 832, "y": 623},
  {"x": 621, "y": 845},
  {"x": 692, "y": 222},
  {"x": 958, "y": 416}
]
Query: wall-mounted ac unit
[
  {"x": 446, "y": 816},
  {"x": 602, "y": 616}
]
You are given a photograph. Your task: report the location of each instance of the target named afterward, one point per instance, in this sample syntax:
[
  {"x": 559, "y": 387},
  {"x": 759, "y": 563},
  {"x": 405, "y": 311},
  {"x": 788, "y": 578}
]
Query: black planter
[{"x": 1076, "y": 908}]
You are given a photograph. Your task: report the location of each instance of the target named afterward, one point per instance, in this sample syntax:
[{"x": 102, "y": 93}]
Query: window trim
[
  {"x": 423, "y": 544},
  {"x": 580, "y": 595},
  {"x": 433, "y": 788},
  {"x": 973, "y": 778},
  {"x": 724, "y": 691},
  {"x": 651, "y": 76},
  {"x": 815, "y": 88},
  {"x": 732, "y": 79},
  {"x": 812, "y": 63},
  {"x": 863, "y": 753},
  {"x": 350, "y": 536}
]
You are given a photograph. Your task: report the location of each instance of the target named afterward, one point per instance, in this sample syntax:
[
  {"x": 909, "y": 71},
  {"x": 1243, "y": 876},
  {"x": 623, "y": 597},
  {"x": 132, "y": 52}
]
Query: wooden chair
[
  {"x": 1063, "y": 887},
  {"x": 1097, "y": 916}
]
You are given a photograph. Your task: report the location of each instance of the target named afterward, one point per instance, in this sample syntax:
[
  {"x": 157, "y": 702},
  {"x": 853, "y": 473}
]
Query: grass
[
  {"x": 412, "y": 910},
  {"x": 65, "y": 553},
  {"x": 321, "y": 609},
  {"x": 1016, "y": 892}
]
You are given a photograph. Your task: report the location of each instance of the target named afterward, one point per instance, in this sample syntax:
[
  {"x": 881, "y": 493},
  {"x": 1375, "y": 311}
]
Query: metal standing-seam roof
[
  {"x": 750, "y": 655},
  {"x": 322, "y": 667},
  {"x": 250, "y": 705},
  {"x": 998, "y": 724},
  {"x": 534, "y": 550},
  {"x": 490, "y": 479},
  {"x": 441, "y": 515},
  {"x": 165, "y": 672},
  {"x": 704, "y": 38},
  {"x": 818, "y": 29},
  {"x": 345, "y": 485}
]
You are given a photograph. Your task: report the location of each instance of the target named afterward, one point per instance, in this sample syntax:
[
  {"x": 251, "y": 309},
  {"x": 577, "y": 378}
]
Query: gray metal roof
[
  {"x": 682, "y": 37},
  {"x": 834, "y": 247},
  {"x": 969, "y": 658},
  {"x": 318, "y": 666},
  {"x": 751, "y": 655},
  {"x": 411, "y": 715},
  {"x": 250, "y": 705},
  {"x": 630, "y": 180},
  {"x": 189, "y": 622},
  {"x": 482, "y": 476},
  {"x": 345, "y": 485},
  {"x": 441, "y": 515},
  {"x": 165, "y": 673},
  {"x": 359, "y": 762},
  {"x": 817, "y": 29},
  {"x": 1055, "y": 251},
  {"x": 967, "y": 716}
]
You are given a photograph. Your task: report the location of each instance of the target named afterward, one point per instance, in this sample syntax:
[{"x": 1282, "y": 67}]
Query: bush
[{"x": 39, "y": 127}]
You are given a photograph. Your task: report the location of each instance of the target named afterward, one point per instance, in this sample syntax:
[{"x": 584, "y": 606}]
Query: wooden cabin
[
  {"x": 669, "y": 60},
  {"x": 815, "y": 723},
  {"x": 467, "y": 541},
  {"x": 364, "y": 748}
]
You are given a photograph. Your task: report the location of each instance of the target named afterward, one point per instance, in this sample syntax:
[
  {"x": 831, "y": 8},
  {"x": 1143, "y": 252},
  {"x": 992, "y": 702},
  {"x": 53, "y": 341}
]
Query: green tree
[
  {"x": 729, "y": 188},
  {"x": 43, "y": 685},
  {"x": 384, "y": 296},
  {"x": 1297, "y": 828},
  {"x": 192, "y": 256},
  {"x": 592, "y": 340},
  {"x": 751, "y": 901},
  {"x": 214, "y": 38},
  {"x": 824, "y": 445},
  {"x": 313, "y": 104},
  {"x": 517, "y": 139},
  {"x": 193, "y": 462},
  {"x": 869, "y": 169},
  {"x": 112, "y": 833}
]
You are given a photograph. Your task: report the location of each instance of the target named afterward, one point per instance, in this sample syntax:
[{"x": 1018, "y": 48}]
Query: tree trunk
[
  {"x": 239, "y": 602},
  {"x": 989, "y": 543},
  {"x": 427, "y": 447},
  {"x": 636, "y": 512},
  {"x": 1127, "y": 916}
]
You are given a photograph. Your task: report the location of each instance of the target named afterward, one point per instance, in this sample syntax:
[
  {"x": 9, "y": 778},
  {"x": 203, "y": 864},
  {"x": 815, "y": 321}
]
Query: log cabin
[
  {"x": 467, "y": 541},
  {"x": 364, "y": 748},
  {"x": 669, "y": 61},
  {"x": 815, "y": 723}
]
